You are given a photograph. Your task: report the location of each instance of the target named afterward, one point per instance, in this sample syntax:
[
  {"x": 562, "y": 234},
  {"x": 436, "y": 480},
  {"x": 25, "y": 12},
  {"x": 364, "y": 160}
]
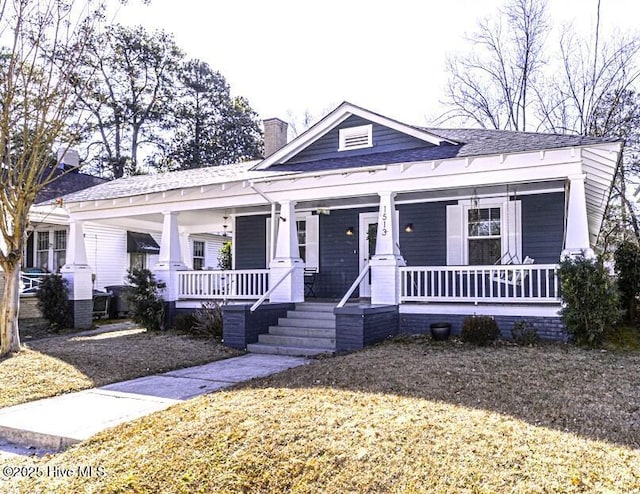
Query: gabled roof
[
  {"x": 66, "y": 184},
  {"x": 336, "y": 117}
]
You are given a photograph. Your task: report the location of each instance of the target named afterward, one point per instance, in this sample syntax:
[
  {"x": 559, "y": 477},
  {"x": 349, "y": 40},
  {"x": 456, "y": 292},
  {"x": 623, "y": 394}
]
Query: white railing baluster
[
  {"x": 501, "y": 284},
  {"x": 238, "y": 284}
]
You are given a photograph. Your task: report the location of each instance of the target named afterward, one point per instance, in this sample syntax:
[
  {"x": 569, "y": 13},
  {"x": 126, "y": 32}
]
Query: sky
[{"x": 288, "y": 57}]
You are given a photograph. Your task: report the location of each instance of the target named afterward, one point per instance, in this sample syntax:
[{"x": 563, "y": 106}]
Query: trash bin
[
  {"x": 101, "y": 304},
  {"x": 118, "y": 306}
]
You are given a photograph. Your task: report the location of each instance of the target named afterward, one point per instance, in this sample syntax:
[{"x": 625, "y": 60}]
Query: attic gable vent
[{"x": 356, "y": 137}]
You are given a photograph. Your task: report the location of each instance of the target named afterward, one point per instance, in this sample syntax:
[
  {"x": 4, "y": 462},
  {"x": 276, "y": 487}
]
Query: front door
[{"x": 368, "y": 229}]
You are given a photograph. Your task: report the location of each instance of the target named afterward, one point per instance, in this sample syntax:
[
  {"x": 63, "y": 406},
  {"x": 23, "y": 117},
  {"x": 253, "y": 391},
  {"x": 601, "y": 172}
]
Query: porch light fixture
[
  {"x": 225, "y": 225},
  {"x": 408, "y": 228},
  {"x": 349, "y": 231}
]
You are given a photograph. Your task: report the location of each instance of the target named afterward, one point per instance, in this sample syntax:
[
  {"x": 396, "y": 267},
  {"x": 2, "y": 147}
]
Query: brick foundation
[
  {"x": 241, "y": 326},
  {"x": 548, "y": 328},
  {"x": 362, "y": 325}
]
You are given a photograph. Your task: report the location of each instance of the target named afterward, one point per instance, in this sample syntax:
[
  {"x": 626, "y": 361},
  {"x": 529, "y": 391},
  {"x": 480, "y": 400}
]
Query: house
[{"x": 391, "y": 226}]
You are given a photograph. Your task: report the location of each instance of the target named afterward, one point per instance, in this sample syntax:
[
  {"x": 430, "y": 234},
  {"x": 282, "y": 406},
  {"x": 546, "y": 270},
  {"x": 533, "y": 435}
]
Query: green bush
[
  {"x": 479, "y": 330},
  {"x": 53, "y": 301},
  {"x": 146, "y": 306},
  {"x": 524, "y": 333},
  {"x": 627, "y": 265},
  {"x": 590, "y": 302},
  {"x": 208, "y": 321},
  {"x": 225, "y": 260},
  {"x": 184, "y": 323}
]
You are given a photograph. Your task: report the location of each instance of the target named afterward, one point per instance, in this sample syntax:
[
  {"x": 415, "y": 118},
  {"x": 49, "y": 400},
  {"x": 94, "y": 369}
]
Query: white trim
[
  {"x": 364, "y": 220},
  {"x": 358, "y": 137},
  {"x": 546, "y": 310}
]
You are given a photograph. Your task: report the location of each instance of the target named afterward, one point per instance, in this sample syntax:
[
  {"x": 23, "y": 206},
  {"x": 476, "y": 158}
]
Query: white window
[
  {"x": 484, "y": 241},
  {"x": 137, "y": 260},
  {"x": 356, "y": 137},
  {"x": 308, "y": 227},
  {"x": 486, "y": 234},
  {"x": 42, "y": 250},
  {"x": 198, "y": 255},
  {"x": 50, "y": 249},
  {"x": 59, "y": 249}
]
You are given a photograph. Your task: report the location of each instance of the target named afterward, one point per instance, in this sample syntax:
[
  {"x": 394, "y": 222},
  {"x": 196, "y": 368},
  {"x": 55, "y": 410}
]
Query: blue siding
[
  {"x": 250, "y": 237},
  {"x": 427, "y": 244},
  {"x": 384, "y": 139},
  {"x": 543, "y": 226},
  {"x": 339, "y": 258}
]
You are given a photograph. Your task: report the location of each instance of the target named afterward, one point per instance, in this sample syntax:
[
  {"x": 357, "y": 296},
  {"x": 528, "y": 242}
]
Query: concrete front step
[
  {"x": 315, "y": 307},
  {"x": 297, "y": 341},
  {"x": 307, "y": 323},
  {"x": 311, "y": 314},
  {"x": 308, "y": 332},
  {"x": 287, "y": 350}
]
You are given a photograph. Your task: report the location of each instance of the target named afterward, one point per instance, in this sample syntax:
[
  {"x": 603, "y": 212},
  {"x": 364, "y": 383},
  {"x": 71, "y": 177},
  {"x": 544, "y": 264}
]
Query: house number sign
[{"x": 384, "y": 221}]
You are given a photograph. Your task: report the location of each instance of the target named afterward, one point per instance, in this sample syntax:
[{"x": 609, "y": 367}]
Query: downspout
[{"x": 272, "y": 243}]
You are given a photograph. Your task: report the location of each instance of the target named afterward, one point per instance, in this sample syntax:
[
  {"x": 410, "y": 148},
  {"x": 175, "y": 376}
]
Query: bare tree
[
  {"x": 493, "y": 84},
  {"x": 35, "y": 106},
  {"x": 131, "y": 76}
]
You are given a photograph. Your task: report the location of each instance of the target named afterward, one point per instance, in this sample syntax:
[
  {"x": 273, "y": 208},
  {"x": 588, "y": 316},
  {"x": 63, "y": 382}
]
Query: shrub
[
  {"x": 524, "y": 333},
  {"x": 146, "y": 306},
  {"x": 53, "y": 301},
  {"x": 589, "y": 300},
  {"x": 208, "y": 321},
  {"x": 627, "y": 265},
  {"x": 479, "y": 330},
  {"x": 224, "y": 256},
  {"x": 184, "y": 323}
]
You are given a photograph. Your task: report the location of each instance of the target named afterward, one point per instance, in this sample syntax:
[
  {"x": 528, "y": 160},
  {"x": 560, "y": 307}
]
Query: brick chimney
[{"x": 275, "y": 135}]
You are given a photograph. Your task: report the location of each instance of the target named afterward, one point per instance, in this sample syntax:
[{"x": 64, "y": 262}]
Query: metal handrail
[
  {"x": 271, "y": 289},
  {"x": 352, "y": 289}
]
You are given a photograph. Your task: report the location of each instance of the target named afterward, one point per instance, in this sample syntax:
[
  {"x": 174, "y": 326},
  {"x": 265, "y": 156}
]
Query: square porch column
[
  {"x": 78, "y": 274},
  {"x": 287, "y": 256},
  {"x": 385, "y": 275},
  {"x": 577, "y": 228},
  {"x": 169, "y": 262}
]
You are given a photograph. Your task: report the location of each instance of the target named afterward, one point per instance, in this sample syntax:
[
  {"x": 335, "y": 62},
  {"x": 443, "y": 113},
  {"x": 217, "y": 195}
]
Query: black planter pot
[{"x": 440, "y": 331}]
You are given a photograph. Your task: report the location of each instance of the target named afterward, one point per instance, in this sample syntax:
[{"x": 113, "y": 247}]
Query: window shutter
[
  {"x": 455, "y": 235},
  {"x": 313, "y": 251},
  {"x": 268, "y": 242},
  {"x": 512, "y": 237}
]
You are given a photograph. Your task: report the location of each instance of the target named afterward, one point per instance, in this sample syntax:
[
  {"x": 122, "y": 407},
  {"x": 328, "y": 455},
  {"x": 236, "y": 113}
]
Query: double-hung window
[
  {"x": 59, "y": 249},
  {"x": 198, "y": 255},
  {"x": 484, "y": 239},
  {"x": 42, "y": 250}
]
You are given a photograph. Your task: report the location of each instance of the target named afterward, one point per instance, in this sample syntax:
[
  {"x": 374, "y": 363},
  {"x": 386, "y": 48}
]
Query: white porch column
[
  {"x": 577, "y": 233},
  {"x": 78, "y": 274},
  {"x": 385, "y": 275},
  {"x": 170, "y": 258},
  {"x": 287, "y": 256}
]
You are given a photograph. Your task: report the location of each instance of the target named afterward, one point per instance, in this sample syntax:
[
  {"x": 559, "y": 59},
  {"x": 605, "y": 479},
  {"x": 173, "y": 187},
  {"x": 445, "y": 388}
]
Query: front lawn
[
  {"x": 406, "y": 416},
  {"x": 52, "y": 366}
]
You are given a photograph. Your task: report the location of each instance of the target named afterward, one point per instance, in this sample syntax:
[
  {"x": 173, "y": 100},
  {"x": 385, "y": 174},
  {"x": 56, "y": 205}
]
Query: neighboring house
[{"x": 416, "y": 225}]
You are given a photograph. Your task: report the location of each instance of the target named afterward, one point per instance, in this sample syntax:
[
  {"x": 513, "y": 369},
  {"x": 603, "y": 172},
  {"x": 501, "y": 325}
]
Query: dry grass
[
  {"x": 401, "y": 417},
  {"x": 52, "y": 366}
]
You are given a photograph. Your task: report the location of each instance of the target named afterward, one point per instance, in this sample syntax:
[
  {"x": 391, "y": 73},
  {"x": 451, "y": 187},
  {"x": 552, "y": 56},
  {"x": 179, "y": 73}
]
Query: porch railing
[
  {"x": 236, "y": 284},
  {"x": 504, "y": 283},
  {"x": 29, "y": 282}
]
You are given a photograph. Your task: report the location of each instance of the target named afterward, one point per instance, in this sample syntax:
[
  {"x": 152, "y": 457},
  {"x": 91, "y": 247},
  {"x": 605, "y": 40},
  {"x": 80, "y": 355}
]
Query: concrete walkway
[{"x": 53, "y": 424}]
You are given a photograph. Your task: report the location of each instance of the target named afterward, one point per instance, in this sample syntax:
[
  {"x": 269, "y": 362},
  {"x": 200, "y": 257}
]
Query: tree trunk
[{"x": 9, "y": 334}]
